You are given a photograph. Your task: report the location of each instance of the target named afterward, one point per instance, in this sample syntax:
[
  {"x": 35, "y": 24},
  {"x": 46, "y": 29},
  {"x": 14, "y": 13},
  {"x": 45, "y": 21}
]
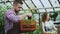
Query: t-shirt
[{"x": 47, "y": 26}]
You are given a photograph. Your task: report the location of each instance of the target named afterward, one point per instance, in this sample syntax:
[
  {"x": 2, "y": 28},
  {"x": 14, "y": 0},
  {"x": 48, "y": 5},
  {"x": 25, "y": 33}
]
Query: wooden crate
[{"x": 27, "y": 25}]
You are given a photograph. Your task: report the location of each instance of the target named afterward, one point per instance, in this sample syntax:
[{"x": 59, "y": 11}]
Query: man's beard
[{"x": 17, "y": 11}]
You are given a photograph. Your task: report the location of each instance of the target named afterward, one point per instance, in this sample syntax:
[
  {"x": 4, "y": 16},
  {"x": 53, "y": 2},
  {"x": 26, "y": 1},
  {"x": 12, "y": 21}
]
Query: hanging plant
[{"x": 54, "y": 16}]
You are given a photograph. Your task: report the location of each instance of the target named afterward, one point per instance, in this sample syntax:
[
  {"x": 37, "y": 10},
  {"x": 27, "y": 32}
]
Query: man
[{"x": 12, "y": 18}]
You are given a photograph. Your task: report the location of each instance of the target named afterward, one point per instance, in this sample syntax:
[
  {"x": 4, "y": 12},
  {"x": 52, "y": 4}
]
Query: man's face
[{"x": 18, "y": 7}]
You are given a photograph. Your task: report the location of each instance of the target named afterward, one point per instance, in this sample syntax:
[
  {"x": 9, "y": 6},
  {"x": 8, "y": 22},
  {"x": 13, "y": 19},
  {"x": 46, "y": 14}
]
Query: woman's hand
[{"x": 55, "y": 28}]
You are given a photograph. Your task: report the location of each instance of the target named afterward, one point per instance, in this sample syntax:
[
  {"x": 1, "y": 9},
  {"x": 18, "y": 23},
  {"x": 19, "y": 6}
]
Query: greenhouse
[{"x": 37, "y": 8}]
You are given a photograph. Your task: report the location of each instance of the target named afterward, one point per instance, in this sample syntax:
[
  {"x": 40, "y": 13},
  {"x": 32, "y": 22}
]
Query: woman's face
[{"x": 48, "y": 17}]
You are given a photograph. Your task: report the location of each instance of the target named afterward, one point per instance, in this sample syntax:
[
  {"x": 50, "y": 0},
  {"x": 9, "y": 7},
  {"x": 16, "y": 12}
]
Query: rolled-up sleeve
[{"x": 13, "y": 18}]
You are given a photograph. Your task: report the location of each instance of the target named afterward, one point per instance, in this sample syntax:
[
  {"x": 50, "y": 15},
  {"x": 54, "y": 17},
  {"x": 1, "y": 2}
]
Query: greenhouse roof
[{"x": 37, "y": 5}]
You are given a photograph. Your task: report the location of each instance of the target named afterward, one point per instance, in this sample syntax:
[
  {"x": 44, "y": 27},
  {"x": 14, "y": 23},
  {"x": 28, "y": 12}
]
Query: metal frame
[
  {"x": 27, "y": 5},
  {"x": 42, "y": 5},
  {"x": 45, "y": 8},
  {"x": 51, "y": 5},
  {"x": 58, "y": 1},
  {"x": 35, "y": 5}
]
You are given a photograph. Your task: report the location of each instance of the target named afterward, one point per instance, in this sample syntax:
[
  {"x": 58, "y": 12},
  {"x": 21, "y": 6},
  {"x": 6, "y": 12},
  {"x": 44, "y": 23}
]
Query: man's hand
[{"x": 25, "y": 15}]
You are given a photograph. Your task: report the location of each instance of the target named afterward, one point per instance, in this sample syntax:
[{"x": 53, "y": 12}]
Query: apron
[{"x": 15, "y": 29}]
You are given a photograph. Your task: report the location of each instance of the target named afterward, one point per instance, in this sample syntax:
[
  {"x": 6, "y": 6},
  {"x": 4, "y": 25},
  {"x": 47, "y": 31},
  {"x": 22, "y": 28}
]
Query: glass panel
[
  {"x": 11, "y": 0},
  {"x": 12, "y": 3},
  {"x": 58, "y": 17},
  {"x": 59, "y": 0},
  {"x": 46, "y": 3},
  {"x": 41, "y": 14},
  {"x": 24, "y": 6},
  {"x": 30, "y": 4},
  {"x": 57, "y": 9},
  {"x": 4, "y": 0},
  {"x": 36, "y": 17},
  {"x": 49, "y": 10},
  {"x": 7, "y": 0},
  {"x": 55, "y": 3},
  {"x": 37, "y": 3},
  {"x": 41, "y": 10},
  {"x": 0, "y": 0}
]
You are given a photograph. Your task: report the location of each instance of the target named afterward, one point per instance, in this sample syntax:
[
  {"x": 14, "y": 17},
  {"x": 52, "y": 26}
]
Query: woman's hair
[{"x": 44, "y": 16}]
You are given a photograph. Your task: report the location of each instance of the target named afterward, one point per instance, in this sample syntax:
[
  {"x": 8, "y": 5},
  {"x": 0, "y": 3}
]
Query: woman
[{"x": 47, "y": 26}]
